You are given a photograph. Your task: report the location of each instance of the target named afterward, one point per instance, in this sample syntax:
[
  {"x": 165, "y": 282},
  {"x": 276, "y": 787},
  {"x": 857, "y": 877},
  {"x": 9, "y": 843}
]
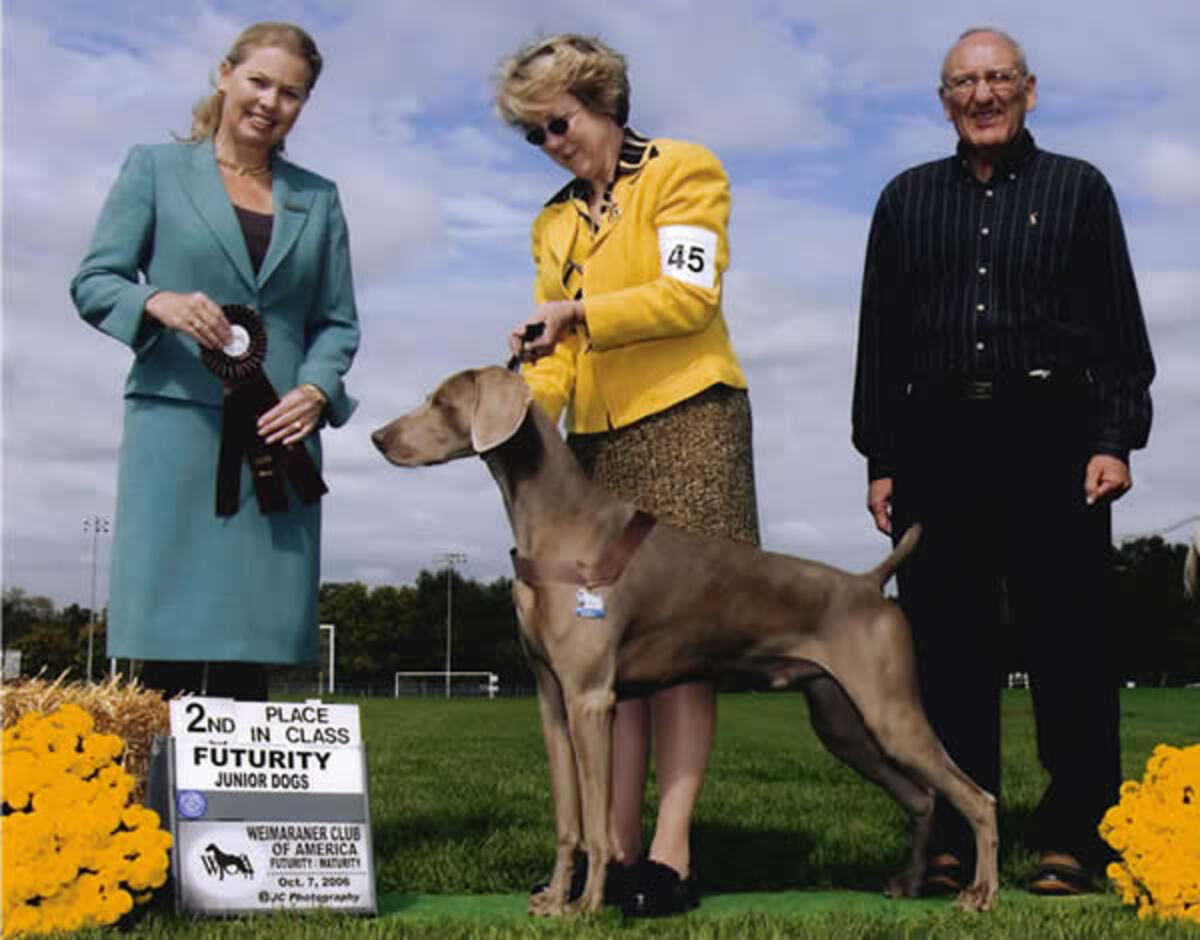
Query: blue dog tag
[{"x": 588, "y": 604}]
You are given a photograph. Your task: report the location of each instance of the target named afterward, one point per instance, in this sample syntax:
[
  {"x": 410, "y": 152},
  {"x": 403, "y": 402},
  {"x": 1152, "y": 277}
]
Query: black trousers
[
  {"x": 246, "y": 682},
  {"x": 998, "y": 487}
]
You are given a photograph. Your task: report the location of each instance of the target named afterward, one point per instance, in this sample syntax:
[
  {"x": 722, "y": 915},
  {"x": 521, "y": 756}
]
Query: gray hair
[{"x": 1022, "y": 63}]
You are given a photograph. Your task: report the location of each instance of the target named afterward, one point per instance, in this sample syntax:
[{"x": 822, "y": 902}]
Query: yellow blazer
[{"x": 650, "y": 281}]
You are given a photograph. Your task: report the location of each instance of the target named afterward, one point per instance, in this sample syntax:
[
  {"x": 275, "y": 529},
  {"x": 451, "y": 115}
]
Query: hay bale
[{"x": 117, "y": 706}]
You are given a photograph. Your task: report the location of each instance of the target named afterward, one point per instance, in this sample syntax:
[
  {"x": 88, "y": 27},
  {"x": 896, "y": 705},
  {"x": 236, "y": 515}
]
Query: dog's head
[{"x": 470, "y": 413}]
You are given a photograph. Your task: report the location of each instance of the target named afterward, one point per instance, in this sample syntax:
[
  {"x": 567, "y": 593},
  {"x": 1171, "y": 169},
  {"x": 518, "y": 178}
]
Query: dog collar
[{"x": 606, "y": 570}]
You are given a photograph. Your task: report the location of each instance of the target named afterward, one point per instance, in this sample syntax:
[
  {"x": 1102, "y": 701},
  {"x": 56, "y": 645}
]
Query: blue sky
[{"x": 812, "y": 107}]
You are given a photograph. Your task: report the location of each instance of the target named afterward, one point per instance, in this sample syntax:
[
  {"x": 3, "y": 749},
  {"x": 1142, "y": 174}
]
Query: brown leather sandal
[
  {"x": 1060, "y": 875},
  {"x": 943, "y": 875}
]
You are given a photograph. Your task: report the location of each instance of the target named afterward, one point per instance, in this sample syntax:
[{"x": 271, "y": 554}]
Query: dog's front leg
[
  {"x": 564, "y": 789},
  {"x": 591, "y": 716}
]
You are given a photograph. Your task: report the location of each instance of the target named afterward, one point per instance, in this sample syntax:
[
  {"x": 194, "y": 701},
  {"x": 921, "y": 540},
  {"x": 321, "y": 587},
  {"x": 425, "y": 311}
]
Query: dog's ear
[{"x": 502, "y": 400}]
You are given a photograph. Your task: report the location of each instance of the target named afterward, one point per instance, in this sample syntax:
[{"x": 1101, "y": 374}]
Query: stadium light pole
[
  {"x": 332, "y": 639},
  {"x": 96, "y": 525},
  {"x": 451, "y": 560}
]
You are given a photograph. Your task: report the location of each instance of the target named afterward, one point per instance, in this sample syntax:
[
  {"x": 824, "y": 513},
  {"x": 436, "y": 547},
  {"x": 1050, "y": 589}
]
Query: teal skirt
[{"x": 188, "y": 584}]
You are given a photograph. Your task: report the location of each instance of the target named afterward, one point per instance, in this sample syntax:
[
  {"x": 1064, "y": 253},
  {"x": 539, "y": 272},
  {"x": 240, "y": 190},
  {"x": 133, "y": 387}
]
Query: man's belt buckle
[{"x": 979, "y": 389}]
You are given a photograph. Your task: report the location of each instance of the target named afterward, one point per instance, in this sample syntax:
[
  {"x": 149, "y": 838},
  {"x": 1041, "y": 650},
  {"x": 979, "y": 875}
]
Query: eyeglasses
[
  {"x": 558, "y": 126},
  {"x": 1000, "y": 81}
]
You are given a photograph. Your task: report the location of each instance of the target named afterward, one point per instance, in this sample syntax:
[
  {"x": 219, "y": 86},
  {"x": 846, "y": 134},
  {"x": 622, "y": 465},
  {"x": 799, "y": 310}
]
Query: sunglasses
[{"x": 558, "y": 126}]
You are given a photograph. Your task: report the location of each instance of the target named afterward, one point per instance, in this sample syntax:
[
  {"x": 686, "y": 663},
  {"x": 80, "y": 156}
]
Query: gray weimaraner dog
[{"x": 608, "y": 599}]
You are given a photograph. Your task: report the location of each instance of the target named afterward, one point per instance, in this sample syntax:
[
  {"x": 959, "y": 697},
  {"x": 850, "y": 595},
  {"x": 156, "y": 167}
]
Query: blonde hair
[
  {"x": 568, "y": 63},
  {"x": 206, "y": 114}
]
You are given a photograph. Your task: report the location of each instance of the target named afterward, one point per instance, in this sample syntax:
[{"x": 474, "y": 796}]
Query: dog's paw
[
  {"x": 546, "y": 903},
  {"x": 907, "y": 884},
  {"x": 585, "y": 905},
  {"x": 978, "y": 897}
]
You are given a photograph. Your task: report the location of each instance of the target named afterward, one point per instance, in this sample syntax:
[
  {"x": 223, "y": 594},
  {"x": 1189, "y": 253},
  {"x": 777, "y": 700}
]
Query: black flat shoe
[{"x": 656, "y": 890}]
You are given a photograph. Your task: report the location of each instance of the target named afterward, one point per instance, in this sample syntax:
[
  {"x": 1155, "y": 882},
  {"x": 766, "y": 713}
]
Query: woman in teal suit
[{"x": 208, "y": 601}]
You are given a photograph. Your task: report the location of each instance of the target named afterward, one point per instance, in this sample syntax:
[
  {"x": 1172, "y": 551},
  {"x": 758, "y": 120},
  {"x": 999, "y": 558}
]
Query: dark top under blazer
[
  {"x": 1029, "y": 270},
  {"x": 158, "y": 229}
]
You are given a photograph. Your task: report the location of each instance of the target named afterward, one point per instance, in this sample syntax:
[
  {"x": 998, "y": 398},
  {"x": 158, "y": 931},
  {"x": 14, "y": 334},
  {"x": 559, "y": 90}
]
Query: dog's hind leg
[
  {"x": 840, "y": 727},
  {"x": 880, "y": 678},
  {"x": 898, "y": 724}
]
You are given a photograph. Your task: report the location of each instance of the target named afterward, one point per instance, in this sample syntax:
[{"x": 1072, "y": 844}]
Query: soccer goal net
[{"x": 448, "y": 684}]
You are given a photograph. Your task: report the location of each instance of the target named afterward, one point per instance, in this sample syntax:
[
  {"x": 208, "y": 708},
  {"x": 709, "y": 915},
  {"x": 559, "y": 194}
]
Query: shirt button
[
  {"x": 988, "y": 193},
  {"x": 985, "y": 231},
  {"x": 982, "y": 272},
  {"x": 981, "y": 307},
  {"x": 1012, "y": 176},
  {"x": 979, "y": 346}
]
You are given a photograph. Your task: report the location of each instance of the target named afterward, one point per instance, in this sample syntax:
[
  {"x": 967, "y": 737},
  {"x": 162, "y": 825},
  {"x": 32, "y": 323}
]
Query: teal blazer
[{"x": 158, "y": 229}]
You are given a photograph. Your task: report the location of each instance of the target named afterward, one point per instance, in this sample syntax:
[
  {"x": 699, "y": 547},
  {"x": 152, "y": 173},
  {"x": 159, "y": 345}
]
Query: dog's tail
[{"x": 882, "y": 573}]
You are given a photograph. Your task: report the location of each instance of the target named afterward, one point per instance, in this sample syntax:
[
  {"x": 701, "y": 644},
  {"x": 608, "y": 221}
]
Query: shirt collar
[
  {"x": 1012, "y": 159},
  {"x": 636, "y": 150}
]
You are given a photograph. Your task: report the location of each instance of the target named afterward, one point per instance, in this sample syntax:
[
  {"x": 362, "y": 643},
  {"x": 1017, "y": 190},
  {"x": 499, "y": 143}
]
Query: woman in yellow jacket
[{"x": 635, "y": 349}]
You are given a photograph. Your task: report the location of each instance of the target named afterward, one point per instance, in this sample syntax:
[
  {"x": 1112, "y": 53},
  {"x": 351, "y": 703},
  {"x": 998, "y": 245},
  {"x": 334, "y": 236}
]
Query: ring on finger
[{"x": 297, "y": 425}]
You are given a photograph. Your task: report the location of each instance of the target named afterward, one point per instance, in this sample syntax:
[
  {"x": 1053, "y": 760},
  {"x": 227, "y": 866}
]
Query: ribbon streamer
[{"x": 248, "y": 394}]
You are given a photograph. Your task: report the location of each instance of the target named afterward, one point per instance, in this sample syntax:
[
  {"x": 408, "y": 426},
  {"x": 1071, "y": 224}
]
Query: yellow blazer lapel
[
  {"x": 291, "y": 205},
  {"x": 206, "y": 191}
]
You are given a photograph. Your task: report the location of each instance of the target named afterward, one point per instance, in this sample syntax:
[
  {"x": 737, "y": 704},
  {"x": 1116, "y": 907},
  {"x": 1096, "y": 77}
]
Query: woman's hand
[
  {"x": 294, "y": 417},
  {"x": 560, "y": 319},
  {"x": 193, "y": 315}
]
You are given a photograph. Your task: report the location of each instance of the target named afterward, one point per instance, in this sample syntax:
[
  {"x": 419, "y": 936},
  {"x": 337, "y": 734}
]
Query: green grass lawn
[{"x": 787, "y": 841}]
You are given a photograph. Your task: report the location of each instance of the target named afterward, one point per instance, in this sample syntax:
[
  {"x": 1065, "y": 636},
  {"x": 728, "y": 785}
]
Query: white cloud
[
  {"x": 812, "y": 106},
  {"x": 1172, "y": 170}
]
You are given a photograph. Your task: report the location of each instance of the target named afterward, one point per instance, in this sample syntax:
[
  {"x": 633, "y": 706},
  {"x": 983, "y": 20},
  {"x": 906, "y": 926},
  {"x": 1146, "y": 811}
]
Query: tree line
[{"x": 386, "y": 629}]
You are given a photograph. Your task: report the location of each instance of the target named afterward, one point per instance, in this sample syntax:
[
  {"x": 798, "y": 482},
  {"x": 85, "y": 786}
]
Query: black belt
[{"x": 1004, "y": 385}]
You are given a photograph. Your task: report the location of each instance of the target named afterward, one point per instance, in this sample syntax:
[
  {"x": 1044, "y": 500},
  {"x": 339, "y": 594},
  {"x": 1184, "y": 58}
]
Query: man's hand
[
  {"x": 1107, "y": 478},
  {"x": 879, "y": 503}
]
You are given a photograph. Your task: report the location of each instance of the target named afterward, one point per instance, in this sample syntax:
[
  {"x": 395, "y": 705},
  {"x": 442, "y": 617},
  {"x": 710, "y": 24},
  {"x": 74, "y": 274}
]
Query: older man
[{"x": 1003, "y": 378}]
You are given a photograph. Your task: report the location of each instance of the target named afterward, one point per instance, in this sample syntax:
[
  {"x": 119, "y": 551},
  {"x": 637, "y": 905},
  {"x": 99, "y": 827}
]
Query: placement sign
[
  {"x": 268, "y": 803},
  {"x": 305, "y": 747}
]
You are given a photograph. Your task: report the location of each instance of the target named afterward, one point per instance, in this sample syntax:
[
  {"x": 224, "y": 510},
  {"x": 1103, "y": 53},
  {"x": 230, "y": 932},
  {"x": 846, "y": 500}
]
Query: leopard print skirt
[{"x": 691, "y": 465}]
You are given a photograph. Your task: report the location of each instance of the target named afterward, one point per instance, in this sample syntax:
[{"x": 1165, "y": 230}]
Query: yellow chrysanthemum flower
[
  {"x": 74, "y": 849},
  {"x": 1156, "y": 829}
]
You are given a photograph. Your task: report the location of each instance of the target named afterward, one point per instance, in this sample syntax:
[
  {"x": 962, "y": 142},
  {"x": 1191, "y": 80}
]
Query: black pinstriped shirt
[{"x": 1027, "y": 271}]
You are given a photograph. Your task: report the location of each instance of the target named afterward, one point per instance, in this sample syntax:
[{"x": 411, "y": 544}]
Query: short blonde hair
[
  {"x": 568, "y": 63},
  {"x": 206, "y": 115}
]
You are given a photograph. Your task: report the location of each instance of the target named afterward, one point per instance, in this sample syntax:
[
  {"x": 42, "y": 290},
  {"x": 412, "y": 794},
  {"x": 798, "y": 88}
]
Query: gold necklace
[{"x": 244, "y": 170}]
